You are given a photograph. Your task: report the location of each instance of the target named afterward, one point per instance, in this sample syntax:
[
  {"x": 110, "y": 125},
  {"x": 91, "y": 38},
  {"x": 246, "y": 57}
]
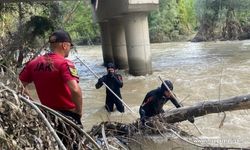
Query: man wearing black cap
[
  {"x": 56, "y": 78},
  {"x": 155, "y": 99},
  {"x": 114, "y": 82}
]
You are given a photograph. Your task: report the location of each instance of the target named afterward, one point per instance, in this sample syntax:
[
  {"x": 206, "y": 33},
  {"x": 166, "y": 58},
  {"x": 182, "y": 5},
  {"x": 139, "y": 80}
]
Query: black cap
[
  {"x": 60, "y": 36},
  {"x": 169, "y": 84},
  {"x": 110, "y": 65}
]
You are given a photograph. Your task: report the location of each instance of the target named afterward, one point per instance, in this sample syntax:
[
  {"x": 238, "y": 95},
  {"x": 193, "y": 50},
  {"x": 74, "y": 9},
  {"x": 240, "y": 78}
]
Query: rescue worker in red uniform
[
  {"x": 154, "y": 101},
  {"x": 56, "y": 78},
  {"x": 114, "y": 82}
]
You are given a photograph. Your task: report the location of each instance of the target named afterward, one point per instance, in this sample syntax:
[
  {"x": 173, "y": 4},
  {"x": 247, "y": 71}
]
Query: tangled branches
[
  {"x": 22, "y": 127},
  {"x": 123, "y": 135}
]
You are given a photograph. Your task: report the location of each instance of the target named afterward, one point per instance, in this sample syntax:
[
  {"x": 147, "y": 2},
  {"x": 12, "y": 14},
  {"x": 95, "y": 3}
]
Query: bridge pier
[
  {"x": 138, "y": 44},
  {"x": 119, "y": 43},
  {"x": 107, "y": 51},
  {"x": 129, "y": 33}
]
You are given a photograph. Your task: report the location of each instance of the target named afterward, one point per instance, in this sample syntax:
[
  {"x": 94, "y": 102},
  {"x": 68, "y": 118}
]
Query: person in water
[
  {"x": 114, "y": 82},
  {"x": 155, "y": 99}
]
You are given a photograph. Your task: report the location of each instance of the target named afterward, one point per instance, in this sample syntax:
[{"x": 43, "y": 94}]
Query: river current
[{"x": 199, "y": 71}]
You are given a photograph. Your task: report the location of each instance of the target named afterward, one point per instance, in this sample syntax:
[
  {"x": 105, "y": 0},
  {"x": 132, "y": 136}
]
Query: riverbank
[{"x": 193, "y": 37}]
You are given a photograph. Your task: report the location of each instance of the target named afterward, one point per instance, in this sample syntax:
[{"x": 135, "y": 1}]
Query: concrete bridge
[{"x": 124, "y": 32}]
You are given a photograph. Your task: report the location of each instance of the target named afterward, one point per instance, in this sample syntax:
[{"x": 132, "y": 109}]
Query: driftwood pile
[
  {"x": 128, "y": 133},
  {"x": 22, "y": 127},
  {"x": 23, "y": 124}
]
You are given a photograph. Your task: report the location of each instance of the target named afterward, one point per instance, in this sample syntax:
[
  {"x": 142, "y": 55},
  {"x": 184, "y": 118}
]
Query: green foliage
[
  {"x": 162, "y": 22},
  {"x": 79, "y": 22},
  {"x": 55, "y": 13},
  {"x": 174, "y": 19},
  {"x": 7, "y": 8},
  {"x": 183, "y": 24},
  {"x": 226, "y": 18},
  {"x": 23, "y": 29},
  {"x": 38, "y": 26},
  {"x": 191, "y": 16}
]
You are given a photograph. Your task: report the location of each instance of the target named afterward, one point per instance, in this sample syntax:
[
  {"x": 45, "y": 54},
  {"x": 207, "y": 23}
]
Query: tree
[
  {"x": 221, "y": 19},
  {"x": 25, "y": 32},
  {"x": 182, "y": 17},
  {"x": 83, "y": 28},
  {"x": 162, "y": 22},
  {"x": 172, "y": 21}
]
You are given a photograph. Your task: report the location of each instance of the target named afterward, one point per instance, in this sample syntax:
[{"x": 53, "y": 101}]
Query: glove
[
  {"x": 142, "y": 115},
  {"x": 100, "y": 80},
  {"x": 162, "y": 111},
  {"x": 191, "y": 119}
]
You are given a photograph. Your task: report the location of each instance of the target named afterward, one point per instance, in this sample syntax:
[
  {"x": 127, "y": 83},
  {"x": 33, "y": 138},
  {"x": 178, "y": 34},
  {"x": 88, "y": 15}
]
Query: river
[{"x": 199, "y": 72}]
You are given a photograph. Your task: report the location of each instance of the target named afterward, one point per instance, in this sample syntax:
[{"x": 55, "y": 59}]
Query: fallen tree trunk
[
  {"x": 159, "y": 122},
  {"x": 207, "y": 107}
]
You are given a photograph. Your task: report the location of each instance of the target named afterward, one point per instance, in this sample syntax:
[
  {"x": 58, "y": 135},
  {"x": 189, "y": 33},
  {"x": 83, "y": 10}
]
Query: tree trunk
[
  {"x": 157, "y": 125},
  {"x": 20, "y": 58},
  {"x": 207, "y": 107}
]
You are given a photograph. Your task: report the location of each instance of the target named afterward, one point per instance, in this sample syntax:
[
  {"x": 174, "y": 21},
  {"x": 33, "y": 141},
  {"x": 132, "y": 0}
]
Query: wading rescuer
[
  {"x": 56, "y": 78},
  {"x": 155, "y": 99},
  {"x": 114, "y": 82}
]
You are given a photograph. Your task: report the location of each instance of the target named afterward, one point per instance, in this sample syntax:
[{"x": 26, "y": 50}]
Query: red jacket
[{"x": 50, "y": 74}]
